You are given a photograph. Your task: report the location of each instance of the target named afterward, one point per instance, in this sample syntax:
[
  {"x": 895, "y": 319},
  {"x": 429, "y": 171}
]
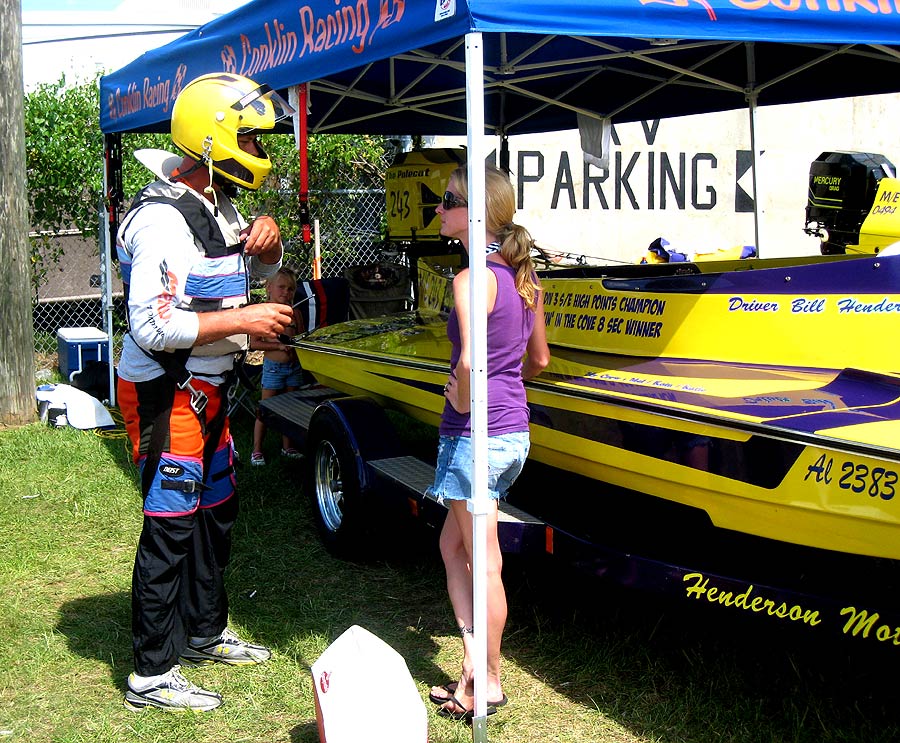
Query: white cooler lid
[{"x": 81, "y": 334}]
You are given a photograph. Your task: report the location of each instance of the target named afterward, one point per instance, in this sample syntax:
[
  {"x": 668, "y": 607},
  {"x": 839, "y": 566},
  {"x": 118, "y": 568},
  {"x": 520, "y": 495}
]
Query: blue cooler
[{"x": 77, "y": 346}]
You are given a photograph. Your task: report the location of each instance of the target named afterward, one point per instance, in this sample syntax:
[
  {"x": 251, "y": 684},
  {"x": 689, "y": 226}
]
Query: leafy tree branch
[{"x": 64, "y": 168}]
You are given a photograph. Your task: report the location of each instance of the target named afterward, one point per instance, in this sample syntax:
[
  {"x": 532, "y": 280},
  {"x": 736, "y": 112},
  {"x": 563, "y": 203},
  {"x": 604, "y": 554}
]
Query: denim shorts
[
  {"x": 277, "y": 375},
  {"x": 506, "y": 457}
]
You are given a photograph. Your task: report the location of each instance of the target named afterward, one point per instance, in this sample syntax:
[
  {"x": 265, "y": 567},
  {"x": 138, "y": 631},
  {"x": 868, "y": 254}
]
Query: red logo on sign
[{"x": 324, "y": 681}]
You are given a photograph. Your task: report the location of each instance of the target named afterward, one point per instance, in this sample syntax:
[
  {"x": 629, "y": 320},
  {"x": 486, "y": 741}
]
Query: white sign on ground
[{"x": 347, "y": 710}]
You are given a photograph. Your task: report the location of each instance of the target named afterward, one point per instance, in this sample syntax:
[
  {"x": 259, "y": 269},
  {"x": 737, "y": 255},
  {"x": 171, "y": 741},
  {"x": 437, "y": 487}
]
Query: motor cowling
[{"x": 842, "y": 189}]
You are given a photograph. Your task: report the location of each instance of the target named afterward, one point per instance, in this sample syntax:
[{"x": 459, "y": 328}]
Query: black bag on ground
[{"x": 94, "y": 379}]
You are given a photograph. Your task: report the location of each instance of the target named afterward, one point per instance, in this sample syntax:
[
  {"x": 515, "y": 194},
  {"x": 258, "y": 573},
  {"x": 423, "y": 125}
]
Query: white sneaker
[
  {"x": 227, "y": 648},
  {"x": 171, "y": 692}
]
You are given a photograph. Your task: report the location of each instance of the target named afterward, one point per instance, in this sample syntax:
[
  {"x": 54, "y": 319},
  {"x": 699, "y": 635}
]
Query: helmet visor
[{"x": 261, "y": 109}]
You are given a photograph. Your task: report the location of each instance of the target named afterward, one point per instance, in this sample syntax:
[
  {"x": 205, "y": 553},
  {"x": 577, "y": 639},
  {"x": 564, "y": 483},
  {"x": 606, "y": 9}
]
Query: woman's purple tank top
[{"x": 509, "y": 327}]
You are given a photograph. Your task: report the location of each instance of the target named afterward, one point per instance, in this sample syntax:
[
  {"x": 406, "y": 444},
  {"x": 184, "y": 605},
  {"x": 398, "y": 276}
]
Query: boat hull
[{"x": 795, "y": 455}]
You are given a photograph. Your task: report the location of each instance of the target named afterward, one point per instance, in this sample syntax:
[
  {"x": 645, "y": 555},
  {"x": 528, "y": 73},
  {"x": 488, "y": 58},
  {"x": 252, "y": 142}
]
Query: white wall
[{"x": 789, "y": 138}]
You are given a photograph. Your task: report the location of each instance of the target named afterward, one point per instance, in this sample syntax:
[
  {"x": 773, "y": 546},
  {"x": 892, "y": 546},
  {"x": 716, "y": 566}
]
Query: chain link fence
[
  {"x": 350, "y": 223},
  {"x": 350, "y": 230}
]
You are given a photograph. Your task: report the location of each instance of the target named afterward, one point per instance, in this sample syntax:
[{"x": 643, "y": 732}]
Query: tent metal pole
[
  {"x": 106, "y": 281},
  {"x": 304, "y": 163},
  {"x": 109, "y": 226},
  {"x": 299, "y": 98},
  {"x": 479, "y": 502},
  {"x": 752, "y": 96}
]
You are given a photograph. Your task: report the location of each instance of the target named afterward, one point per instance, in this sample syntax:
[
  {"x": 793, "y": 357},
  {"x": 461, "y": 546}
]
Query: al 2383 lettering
[{"x": 876, "y": 482}]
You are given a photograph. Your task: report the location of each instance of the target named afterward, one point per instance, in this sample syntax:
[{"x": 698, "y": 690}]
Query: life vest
[
  {"x": 217, "y": 281},
  {"x": 220, "y": 266}
]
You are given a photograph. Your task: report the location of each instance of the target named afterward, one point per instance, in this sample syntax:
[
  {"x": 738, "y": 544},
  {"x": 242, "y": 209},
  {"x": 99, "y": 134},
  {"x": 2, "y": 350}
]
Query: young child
[{"x": 281, "y": 369}]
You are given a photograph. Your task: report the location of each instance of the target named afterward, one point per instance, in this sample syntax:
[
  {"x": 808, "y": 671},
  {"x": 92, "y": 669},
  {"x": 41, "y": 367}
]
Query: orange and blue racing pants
[{"x": 190, "y": 507}]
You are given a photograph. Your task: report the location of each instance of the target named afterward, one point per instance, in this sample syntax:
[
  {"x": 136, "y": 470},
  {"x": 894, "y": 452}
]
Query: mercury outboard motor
[{"x": 842, "y": 188}]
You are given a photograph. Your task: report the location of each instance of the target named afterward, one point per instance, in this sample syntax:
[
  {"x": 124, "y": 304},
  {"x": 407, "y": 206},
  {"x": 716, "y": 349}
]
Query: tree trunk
[{"x": 17, "y": 401}]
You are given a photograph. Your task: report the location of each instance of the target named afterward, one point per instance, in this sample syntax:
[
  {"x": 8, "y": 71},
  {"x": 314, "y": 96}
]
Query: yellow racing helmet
[{"x": 212, "y": 110}]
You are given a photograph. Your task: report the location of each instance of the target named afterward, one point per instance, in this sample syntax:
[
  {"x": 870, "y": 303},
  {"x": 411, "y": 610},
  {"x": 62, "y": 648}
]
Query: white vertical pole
[
  {"x": 106, "y": 284},
  {"x": 317, "y": 252},
  {"x": 479, "y": 502}
]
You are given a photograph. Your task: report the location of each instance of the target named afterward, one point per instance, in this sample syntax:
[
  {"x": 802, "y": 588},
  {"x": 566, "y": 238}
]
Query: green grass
[{"x": 583, "y": 661}]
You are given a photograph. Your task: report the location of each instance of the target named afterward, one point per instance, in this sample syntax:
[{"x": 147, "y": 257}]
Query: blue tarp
[{"x": 388, "y": 66}]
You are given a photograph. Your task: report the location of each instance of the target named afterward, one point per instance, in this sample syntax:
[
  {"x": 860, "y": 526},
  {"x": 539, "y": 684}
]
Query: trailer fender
[{"x": 343, "y": 435}]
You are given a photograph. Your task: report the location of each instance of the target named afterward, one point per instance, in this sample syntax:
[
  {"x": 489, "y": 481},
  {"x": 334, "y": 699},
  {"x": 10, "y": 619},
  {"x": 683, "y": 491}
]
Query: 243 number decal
[
  {"x": 876, "y": 482},
  {"x": 398, "y": 204}
]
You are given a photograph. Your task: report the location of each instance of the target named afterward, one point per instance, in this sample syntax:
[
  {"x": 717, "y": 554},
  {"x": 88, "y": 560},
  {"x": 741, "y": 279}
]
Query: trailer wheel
[{"x": 334, "y": 488}]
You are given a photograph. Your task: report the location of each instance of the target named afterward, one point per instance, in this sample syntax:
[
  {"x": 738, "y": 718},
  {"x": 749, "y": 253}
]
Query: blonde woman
[{"x": 515, "y": 330}]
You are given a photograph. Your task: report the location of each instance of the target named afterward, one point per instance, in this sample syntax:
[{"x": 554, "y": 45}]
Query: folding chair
[
  {"x": 322, "y": 302},
  {"x": 244, "y": 393}
]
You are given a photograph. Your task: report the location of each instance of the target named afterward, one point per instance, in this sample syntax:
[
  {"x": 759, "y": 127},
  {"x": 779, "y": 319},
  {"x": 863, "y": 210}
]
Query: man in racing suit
[{"x": 186, "y": 256}]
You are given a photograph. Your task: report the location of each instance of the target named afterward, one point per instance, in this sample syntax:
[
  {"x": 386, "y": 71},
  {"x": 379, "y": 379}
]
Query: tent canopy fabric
[{"x": 395, "y": 66}]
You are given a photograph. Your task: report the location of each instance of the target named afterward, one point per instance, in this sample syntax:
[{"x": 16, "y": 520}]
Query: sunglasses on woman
[{"x": 451, "y": 201}]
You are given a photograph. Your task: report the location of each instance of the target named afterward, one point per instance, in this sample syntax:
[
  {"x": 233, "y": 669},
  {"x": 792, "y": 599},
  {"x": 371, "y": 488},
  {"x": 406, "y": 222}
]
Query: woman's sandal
[
  {"x": 451, "y": 690},
  {"x": 464, "y": 714}
]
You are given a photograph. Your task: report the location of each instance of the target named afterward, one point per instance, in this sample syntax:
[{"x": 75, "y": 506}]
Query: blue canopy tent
[
  {"x": 397, "y": 66},
  {"x": 505, "y": 67}
]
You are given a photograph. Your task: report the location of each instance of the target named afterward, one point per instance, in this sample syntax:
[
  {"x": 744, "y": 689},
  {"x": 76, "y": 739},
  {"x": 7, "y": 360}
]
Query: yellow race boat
[
  {"x": 724, "y": 431},
  {"x": 760, "y": 393}
]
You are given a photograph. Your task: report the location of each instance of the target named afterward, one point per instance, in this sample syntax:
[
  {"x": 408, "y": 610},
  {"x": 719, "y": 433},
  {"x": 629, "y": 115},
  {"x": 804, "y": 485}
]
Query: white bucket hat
[{"x": 161, "y": 163}]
